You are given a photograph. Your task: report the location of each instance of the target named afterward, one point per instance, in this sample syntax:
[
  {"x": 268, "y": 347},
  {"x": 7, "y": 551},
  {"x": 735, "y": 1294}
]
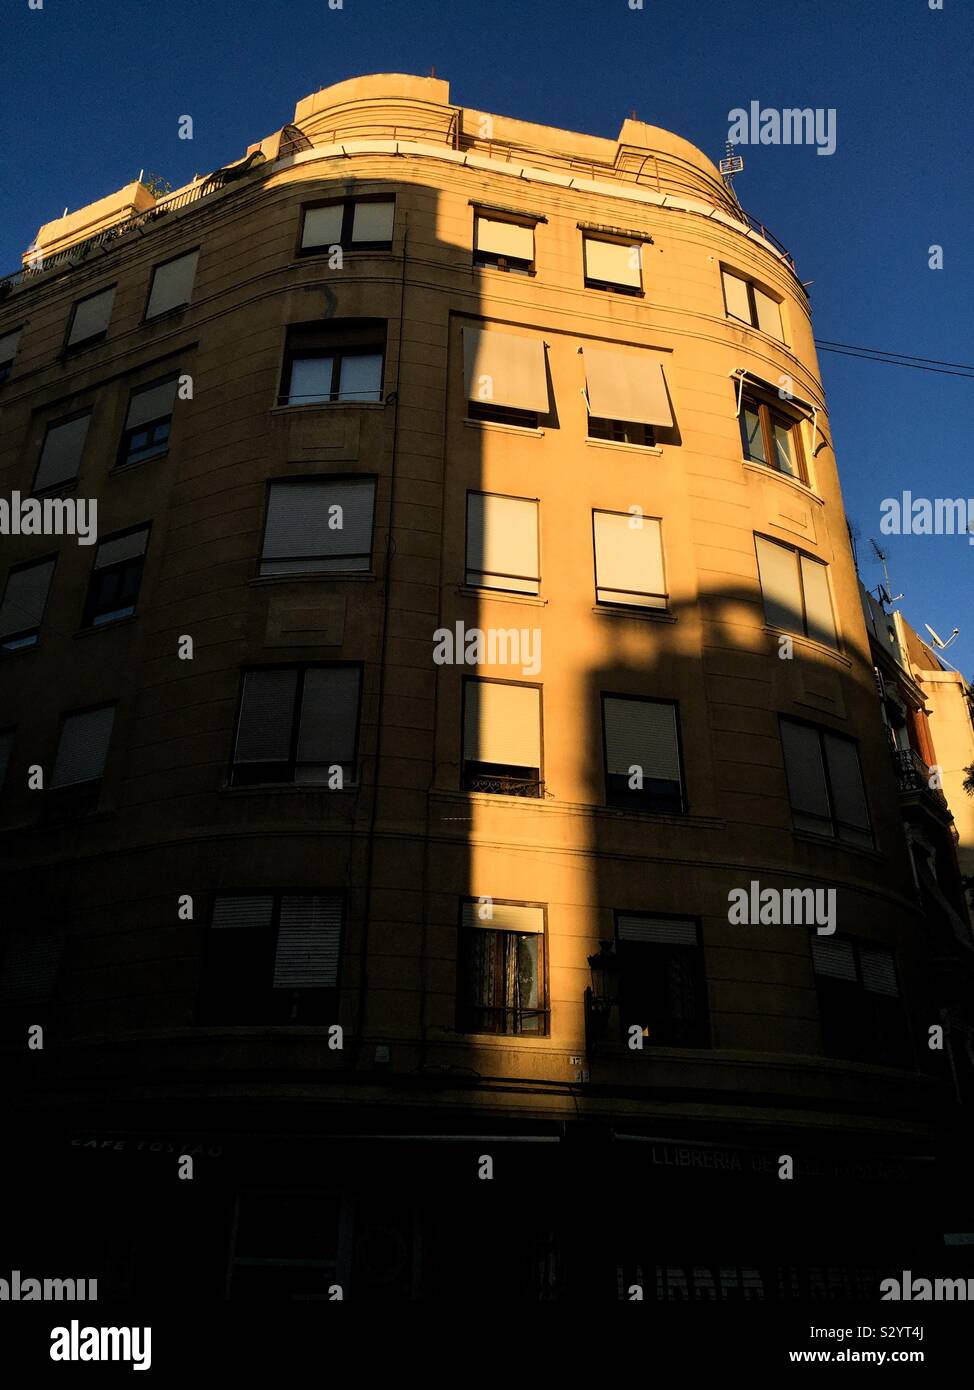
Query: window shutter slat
[
  {"x": 501, "y": 369},
  {"x": 239, "y": 912},
  {"x": 778, "y": 570},
  {"x": 503, "y": 917},
  {"x": 61, "y": 454},
  {"x": 502, "y": 542},
  {"x": 308, "y": 939},
  {"x": 298, "y": 535},
  {"x": 114, "y": 551},
  {"x": 659, "y": 930},
  {"x": 373, "y": 221},
  {"x": 266, "y": 712},
  {"x": 25, "y": 597},
  {"x": 329, "y": 715},
  {"x": 818, "y": 603},
  {"x": 323, "y": 226},
  {"x": 846, "y": 779},
  {"x": 83, "y": 747},
  {"x": 803, "y": 766},
  {"x": 502, "y": 724},
  {"x": 498, "y": 238},
  {"x": 30, "y": 965},
  {"x": 627, "y": 386},
  {"x": 835, "y": 959},
  {"x": 628, "y": 560},
  {"x": 735, "y": 297},
  {"x": 91, "y": 316},
  {"x": 151, "y": 403},
  {"x": 878, "y": 971},
  {"x": 172, "y": 284},
  {"x": 769, "y": 314},
  {"x": 639, "y": 733},
  {"x": 612, "y": 262}
]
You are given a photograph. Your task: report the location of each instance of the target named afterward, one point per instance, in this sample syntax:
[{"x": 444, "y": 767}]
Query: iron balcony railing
[
  {"x": 503, "y": 786},
  {"x": 913, "y": 775}
]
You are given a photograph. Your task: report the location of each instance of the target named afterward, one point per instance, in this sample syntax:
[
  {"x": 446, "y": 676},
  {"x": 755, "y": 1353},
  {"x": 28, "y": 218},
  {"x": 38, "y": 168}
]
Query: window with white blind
[
  {"x": 342, "y": 363},
  {"x": 628, "y": 560},
  {"x": 298, "y": 724},
  {"x": 662, "y": 985},
  {"x": 30, "y": 958},
  {"x": 61, "y": 452},
  {"x": 148, "y": 421},
  {"x": 744, "y": 301},
  {"x": 612, "y": 265},
  {"x": 318, "y": 526},
  {"x": 9, "y": 343},
  {"x": 24, "y": 602},
  {"x": 626, "y": 396},
  {"x": 502, "y": 738},
  {"x": 90, "y": 318},
  {"x": 501, "y": 984},
  {"x": 796, "y": 591},
  {"x": 825, "y": 785},
  {"x": 502, "y": 242},
  {"x": 6, "y": 748},
  {"x": 83, "y": 746},
  {"x": 357, "y": 224},
  {"x": 116, "y": 577},
  {"x": 643, "y": 766},
  {"x": 860, "y": 1008},
  {"x": 502, "y": 543},
  {"x": 272, "y": 957},
  {"x": 172, "y": 284},
  {"x": 505, "y": 377}
]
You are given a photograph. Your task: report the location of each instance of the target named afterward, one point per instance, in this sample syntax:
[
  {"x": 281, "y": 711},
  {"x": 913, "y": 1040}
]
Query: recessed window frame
[
  {"x": 291, "y": 763},
  {"x": 799, "y": 555},
  {"x": 20, "y": 635},
  {"x": 702, "y": 1038},
  {"x": 490, "y": 260},
  {"x": 506, "y": 774},
  {"x": 470, "y": 570},
  {"x": 344, "y": 240},
  {"x": 134, "y": 565},
  {"x": 89, "y": 783},
  {"x": 7, "y": 363},
  {"x": 464, "y": 1008},
  {"x": 66, "y": 484},
  {"x": 93, "y": 339},
  {"x": 644, "y": 593},
  {"x": 831, "y": 834},
  {"x": 769, "y": 415},
  {"x": 613, "y": 286},
  {"x": 614, "y": 796},
  {"x": 322, "y": 480},
  {"x": 751, "y": 286},
  {"x": 157, "y": 430},
  {"x": 861, "y": 1012},
  {"x": 173, "y": 308},
  {"x": 308, "y": 342}
]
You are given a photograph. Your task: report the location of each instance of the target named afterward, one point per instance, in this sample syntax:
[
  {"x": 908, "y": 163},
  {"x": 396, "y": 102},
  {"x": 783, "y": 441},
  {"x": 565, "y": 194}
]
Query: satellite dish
[{"x": 938, "y": 641}]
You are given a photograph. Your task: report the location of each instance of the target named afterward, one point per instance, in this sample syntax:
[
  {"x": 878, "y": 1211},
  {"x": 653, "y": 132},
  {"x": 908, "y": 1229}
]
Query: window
[
  {"x": 744, "y": 301},
  {"x": 771, "y": 438},
  {"x": 356, "y": 225},
  {"x": 318, "y": 526},
  {"x": 628, "y": 560},
  {"x": 860, "y": 1008},
  {"x": 83, "y": 746},
  {"x": 272, "y": 958},
  {"x": 298, "y": 724},
  {"x": 502, "y": 543},
  {"x": 148, "y": 422},
  {"x": 626, "y": 396},
  {"x": 31, "y": 959},
  {"x": 501, "y": 969},
  {"x": 172, "y": 284},
  {"x": 341, "y": 364},
  {"x": 612, "y": 265},
  {"x": 6, "y": 748},
  {"x": 116, "y": 577},
  {"x": 502, "y": 738},
  {"x": 502, "y": 242},
  {"x": 60, "y": 460},
  {"x": 505, "y": 377},
  {"x": 24, "y": 601},
  {"x": 825, "y": 785},
  {"x": 642, "y": 754},
  {"x": 285, "y": 1247},
  {"x": 9, "y": 342},
  {"x": 662, "y": 986},
  {"x": 90, "y": 318},
  {"x": 796, "y": 591}
]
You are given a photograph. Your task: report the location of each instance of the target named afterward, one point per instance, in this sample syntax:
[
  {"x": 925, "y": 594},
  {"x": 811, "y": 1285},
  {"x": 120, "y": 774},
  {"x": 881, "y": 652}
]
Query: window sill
[
  {"x": 618, "y": 444},
  {"x": 607, "y": 287},
  {"x": 6, "y": 653},
  {"x": 502, "y": 595},
  {"x": 94, "y": 628},
  {"x": 327, "y": 405},
  {"x": 801, "y": 488},
  {"x": 166, "y": 314},
  {"x": 249, "y": 788},
  {"x": 801, "y": 640},
  {"x": 345, "y": 576},
  {"x": 524, "y": 272},
  {"x": 753, "y": 328},
  {"x": 833, "y": 842},
  {"x": 139, "y": 463},
  {"x": 323, "y": 253},
  {"x": 653, "y": 615},
  {"x": 56, "y": 489},
  {"x": 498, "y": 425}
]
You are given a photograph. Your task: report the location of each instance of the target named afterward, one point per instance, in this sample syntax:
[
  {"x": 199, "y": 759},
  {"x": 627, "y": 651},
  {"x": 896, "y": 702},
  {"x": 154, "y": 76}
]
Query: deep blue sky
[{"x": 91, "y": 91}]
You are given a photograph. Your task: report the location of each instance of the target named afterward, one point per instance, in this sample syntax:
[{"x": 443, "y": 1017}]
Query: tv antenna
[
  {"x": 730, "y": 165},
  {"x": 886, "y": 590}
]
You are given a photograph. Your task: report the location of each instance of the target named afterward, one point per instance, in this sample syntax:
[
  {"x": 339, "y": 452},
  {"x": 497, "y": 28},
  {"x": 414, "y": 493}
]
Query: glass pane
[
  {"x": 784, "y": 450},
  {"x": 310, "y": 380},
  {"x": 361, "y": 378},
  {"x": 527, "y": 971},
  {"x": 751, "y": 435}
]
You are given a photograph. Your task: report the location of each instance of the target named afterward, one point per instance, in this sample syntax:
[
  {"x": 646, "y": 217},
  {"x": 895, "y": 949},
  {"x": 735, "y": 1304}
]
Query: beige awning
[
  {"x": 500, "y": 369},
  {"x": 502, "y": 724},
  {"x": 627, "y": 386}
]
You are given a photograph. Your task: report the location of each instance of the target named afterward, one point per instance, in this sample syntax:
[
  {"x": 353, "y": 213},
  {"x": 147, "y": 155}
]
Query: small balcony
[{"x": 913, "y": 780}]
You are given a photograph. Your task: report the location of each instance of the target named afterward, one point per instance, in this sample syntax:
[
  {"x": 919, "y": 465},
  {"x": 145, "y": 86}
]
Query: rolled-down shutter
[
  {"x": 323, "y": 226},
  {"x": 627, "y": 386},
  {"x": 502, "y": 542},
  {"x": 266, "y": 716},
  {"x": 118, "y": 548},
  {"x": 495, "y": 916},
  {"x": 878, "y": 971},
  {"x": 25, "y": 598},
  {"x": 662, "y": 931},
  {"x": 499, "y": 238},
  {"x": 818, "y": 602},
  {"x": 83, "y": 747},
  {"x": 373, "y": 221},
  {"x": 501, "y": 369},
  {"x": 242, "y": 911},
  {"x": 172, "y": 284},
  {"x": 807, "y": 790},
  {"x": 300, "y": 535},
  {"x": 642, "y": 733},
  {"x": 308, "y": 938},
  {"x": 153, "y": 402},
  {"x": 329, "y": 719},
  {"x": 613, "y": 263},
  {"x": 834, "y": 959},
  {"x": 502, "y": 724},
  {"x": 91, "y": 316},
  {"x": 780, "y": 585},
  {"x": 628, "y": 560},
  {"x": 61, "y": 455},
  {"x": 769, "y": 314},
  {"x": 848, "y": 793},
  {"x": 9, "y": 344}
]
